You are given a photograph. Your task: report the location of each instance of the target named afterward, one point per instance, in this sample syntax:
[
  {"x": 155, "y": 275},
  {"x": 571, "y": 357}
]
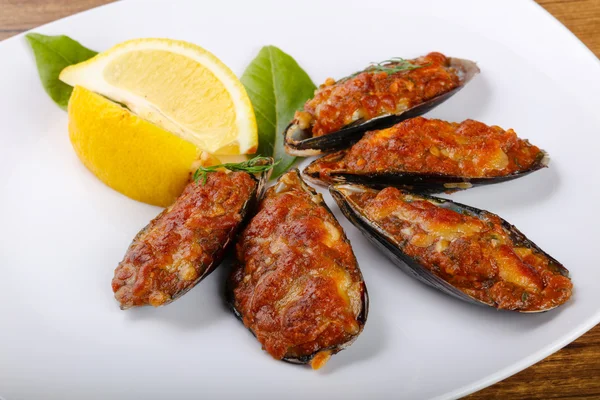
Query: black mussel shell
[
  {"x": 362, "y": 316},
  {"x": 262, "y": 179},
  {"x": 300, "y": 142},
  {"x": 416, "y": 182},
  {"x": 381, "y": 239},
  {"x": 217, "y": 257}
]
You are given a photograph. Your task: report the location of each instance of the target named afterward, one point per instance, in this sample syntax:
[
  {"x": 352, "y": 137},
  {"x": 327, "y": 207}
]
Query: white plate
[{"x": 62, "y": 335}]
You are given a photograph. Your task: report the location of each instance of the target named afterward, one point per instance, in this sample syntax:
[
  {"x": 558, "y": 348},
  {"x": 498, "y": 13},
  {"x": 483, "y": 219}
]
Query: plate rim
[{"x": 513, "y": 368}]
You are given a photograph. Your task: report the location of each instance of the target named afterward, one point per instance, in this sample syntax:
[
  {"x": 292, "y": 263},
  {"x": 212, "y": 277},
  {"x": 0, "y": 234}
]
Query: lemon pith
[
  {"x": 177, "y": 86},
  {"x": 127, "y": 153}
]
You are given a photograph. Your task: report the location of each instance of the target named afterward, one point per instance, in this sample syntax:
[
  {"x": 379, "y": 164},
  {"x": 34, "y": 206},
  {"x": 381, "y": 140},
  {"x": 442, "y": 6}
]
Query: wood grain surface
[{"x": 573, "y": 372}]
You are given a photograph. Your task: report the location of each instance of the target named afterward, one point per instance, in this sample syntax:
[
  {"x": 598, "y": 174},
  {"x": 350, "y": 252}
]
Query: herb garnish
[
  {"x": 252, "y": 166},
  {"x": 391, "y": 66}
]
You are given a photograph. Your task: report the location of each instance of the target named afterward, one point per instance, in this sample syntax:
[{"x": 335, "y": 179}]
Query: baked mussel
[
  {"x": 465, "y": 252},
  {"x": 380, "y": 96},
  {"x": 296, "y": 283},
  {"x": 187, "y": 241},
  {"x": 431, "y": 156}
]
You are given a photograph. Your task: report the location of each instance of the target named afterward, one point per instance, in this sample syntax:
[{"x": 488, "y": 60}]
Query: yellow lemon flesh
[
  {"x": 132, "y": 156},
  {"x": 177, "y": 86}
]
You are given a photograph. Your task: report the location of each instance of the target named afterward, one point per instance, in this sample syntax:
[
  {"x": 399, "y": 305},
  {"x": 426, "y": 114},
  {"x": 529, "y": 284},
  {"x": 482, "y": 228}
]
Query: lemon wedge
[
  {"x": 132, "y": 156},
  {"x": 177, "y": 86}
]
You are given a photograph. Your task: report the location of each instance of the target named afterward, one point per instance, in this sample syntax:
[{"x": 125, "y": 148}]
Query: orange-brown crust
[
  {"x": 297, "y": 285},
  {"x": 182, "y": 244},
  {"x": 371, "y": 93},
  {"x": 468, "y": 149},
  {"x": 474, "y": 254}
]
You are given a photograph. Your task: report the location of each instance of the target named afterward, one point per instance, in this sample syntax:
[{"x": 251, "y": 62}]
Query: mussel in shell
[
  {"x": 465, "y": 252},
  {"x": 378, "y": 97},
  {"x": 187, "y": 241},
  {"x": 431, "y": 156},
  {"x": 296, "y": 283}
]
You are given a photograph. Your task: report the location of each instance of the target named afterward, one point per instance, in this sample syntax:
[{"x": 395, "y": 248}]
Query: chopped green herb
[
  {"x": 391, "y": 66},
  {"x": 517, "y": 163},
  {"x": 495, "y": 236},
  {"x": 253, "y": 166}
]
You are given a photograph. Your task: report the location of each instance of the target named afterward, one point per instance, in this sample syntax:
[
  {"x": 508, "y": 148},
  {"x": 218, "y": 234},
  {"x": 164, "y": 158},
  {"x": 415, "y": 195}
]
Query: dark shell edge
[{"x": 418, "y": 183}]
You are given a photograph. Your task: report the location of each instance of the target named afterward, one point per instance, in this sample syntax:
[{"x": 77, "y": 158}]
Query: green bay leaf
[
  {"x": 277, "y": 87},
  {"x": 52, "y": 55}
]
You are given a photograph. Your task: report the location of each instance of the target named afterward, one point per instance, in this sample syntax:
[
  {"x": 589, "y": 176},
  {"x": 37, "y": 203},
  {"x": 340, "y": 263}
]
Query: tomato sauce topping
[
  {"x": 171, "y": 254},
  {"x": 373, "y": 93},
  {"x": 475, "y": 254},
  {"x": 468, "y": 149},
  {"x": 297, "y": 284}
]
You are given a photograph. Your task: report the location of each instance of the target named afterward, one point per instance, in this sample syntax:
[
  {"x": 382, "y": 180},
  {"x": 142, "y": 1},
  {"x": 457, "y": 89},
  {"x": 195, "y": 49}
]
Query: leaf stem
[{"x": 253, "y": 166}]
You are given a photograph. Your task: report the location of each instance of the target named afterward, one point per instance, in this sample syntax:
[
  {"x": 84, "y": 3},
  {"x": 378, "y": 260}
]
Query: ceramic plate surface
[{"x": 62, "y": 335}]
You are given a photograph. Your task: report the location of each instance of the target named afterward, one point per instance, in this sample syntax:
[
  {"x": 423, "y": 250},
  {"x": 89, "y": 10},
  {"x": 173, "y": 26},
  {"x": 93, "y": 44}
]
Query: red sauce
[
  {"x": 373, "y": 93},
  {"x": 171, "y": 254},
  {"x": 297, "y": 284},
  {"x": 468, "y": 149},
  {"x": 474, "y": 254}
]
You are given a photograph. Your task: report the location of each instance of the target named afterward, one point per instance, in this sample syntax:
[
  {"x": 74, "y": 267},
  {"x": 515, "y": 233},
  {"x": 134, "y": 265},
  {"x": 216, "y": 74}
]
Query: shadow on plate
[
  {"x": 528, "y": 191},
  {"x": 200, "y": 307},
  {"x": 369, "y": 344},
  {"x": 470, "y": 102},
  {"x": 508, "y": 322}
]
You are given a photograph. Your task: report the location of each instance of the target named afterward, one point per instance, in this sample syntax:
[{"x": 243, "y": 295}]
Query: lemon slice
[{"x": 177, "y": 86}]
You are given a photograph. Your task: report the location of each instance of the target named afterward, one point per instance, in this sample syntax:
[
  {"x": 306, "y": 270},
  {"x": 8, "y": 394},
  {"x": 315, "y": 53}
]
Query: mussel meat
[
  {"x": 468, "y": 253},
  {"x": 296, "y": 284},
  {"x": 375, "y": 98},
  {"x": 187, "y": 241},
  {"x": 431, "y": 156}
]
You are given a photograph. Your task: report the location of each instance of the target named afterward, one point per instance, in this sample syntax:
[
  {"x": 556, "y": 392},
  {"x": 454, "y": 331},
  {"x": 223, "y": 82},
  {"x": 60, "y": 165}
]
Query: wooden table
[{"x": 573, "y": 372}]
